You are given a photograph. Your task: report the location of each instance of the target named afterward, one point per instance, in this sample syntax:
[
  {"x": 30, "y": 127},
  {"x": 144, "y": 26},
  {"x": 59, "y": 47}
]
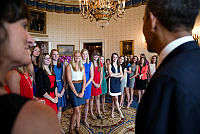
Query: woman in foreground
[{"x": 35, "y": 118}]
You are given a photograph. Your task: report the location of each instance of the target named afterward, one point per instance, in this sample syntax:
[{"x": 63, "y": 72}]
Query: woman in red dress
[
  {"x": 96, "y": 84},
  {"x": 46, "y": 83},
  {"x": 18, "y": 81}
]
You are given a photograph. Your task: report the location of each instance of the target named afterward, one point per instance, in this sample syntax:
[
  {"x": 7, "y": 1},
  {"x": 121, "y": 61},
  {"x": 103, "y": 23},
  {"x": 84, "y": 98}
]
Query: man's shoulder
[
  {"x": 185, "y": 61},
  {"x": 182, "y": 68}
]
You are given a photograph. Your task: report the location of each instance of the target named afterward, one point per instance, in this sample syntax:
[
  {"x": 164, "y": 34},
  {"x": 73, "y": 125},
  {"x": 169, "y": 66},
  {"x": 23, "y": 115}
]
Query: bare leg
[
  {"x": 128, "y": 97},
  {"x": 73, "y": 120},
  {"x": 103, "y": 98},
  {"x": 91, "y": 108},
  {"x": 117, "y": 105},
  {"x": 132, "y": 92},
  {"x": 59, "y": 119},
  {"x": 113, "y": 107},
  {"x": 86, "y": 112},
  {"x": 140, "y": 95},
  {"x": 97, "y": 99},
  {"x": 78, "y": 115},
  {"x": 121, "y": 100},
  {"x": 59, "y": 114}
]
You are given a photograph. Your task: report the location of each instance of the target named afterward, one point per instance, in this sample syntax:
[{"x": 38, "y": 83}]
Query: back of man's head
[{"x": 175, "y": 15}]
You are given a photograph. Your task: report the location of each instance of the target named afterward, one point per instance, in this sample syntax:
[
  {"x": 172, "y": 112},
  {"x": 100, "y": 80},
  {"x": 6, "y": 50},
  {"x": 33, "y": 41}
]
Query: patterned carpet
[{"x": 107, "y": 125}]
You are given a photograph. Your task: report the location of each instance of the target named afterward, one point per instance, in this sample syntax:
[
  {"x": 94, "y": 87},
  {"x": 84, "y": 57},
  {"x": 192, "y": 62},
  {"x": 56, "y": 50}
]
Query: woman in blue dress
[
  {"x": 89, "y": 73},
  {"x": 115, "y": 73},
  {"x": 58, "y": 68},
  {"x": 128, "y": 71}
]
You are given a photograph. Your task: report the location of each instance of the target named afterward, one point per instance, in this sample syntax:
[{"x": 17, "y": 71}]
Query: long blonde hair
[
  {"x": 80, "y": 64},
  {"x": 82, "y": 51}
]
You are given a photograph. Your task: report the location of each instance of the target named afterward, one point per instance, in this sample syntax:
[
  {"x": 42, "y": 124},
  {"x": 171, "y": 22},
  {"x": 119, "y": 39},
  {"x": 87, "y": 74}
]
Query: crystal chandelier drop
[{"x": 102, "y": 10}]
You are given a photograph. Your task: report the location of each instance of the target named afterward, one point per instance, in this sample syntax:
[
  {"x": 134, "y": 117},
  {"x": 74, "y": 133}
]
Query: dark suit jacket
[{"x": 171, "y": 103}]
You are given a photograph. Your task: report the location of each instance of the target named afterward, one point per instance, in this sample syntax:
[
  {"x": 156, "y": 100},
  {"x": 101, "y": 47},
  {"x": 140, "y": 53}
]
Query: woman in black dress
[{"x": 115, "y": 73}]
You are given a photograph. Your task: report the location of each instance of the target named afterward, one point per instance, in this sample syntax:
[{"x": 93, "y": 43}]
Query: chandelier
[{"x": 101, "y": 10}]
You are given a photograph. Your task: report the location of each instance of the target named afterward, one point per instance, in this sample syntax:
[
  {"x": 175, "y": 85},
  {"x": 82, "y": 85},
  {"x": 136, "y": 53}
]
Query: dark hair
[
  {"x": 98, "y": 61},
  {"x": 136, "y": 61},
  {"x": 38, "y": 58},
  {"x": 112, "y": 59},
  {"x": 107, "y": 60},
  {"x": 174, "y": 15},
  {"x": 127, "y": 61},
  {"x": 123, "y": 64},
  {"x": 11, "y": 11},
  {"x": 143, "y": 55},
  {"x": 144, "y": 64},
  {"x": 156, "y": 59}
]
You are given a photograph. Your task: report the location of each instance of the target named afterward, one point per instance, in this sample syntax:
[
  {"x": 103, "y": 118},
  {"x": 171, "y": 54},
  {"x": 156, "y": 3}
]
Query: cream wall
[{"x": 72, "y": 29}]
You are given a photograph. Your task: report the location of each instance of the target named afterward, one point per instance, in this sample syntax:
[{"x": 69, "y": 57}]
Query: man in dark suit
[{"x": 171, "y": 103}]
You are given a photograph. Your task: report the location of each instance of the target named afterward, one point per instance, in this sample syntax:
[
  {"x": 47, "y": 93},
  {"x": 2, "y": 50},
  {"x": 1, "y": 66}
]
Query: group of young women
[
  {"x": 136, "y": 74},
  {"x": 45, "y": 80},
  {"x": 85, "y": 80}
]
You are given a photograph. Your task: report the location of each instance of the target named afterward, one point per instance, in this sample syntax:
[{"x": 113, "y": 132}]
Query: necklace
[{"x": 26, "y": 76}]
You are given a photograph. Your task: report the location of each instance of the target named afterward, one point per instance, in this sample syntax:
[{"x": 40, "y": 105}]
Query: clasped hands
[
  {"x": 60, "y": 94},
  {"x": 80, "y": 95},
  {"x": 97, "y": 85},
  {"x": 55, "y": 100}
]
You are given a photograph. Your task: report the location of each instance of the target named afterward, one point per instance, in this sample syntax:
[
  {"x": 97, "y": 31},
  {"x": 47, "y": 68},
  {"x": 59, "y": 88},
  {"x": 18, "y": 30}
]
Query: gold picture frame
[
  {"x": 127, "y": 47},
  {"x": 37, "y": 21},
  {"x": 66, "y": 50}
]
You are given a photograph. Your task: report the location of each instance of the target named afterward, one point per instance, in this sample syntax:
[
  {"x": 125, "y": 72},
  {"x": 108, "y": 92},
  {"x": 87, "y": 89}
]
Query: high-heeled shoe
[
  {"x": 112, "y": 115},
  {"x": 93, "y": 117},
  {"x": 78, "y": 130},
  {"x": 129, "y": 103},
  {"x": 85, "y": 123},
  {"x": 121, "y": 115},
  {"x": 72, "y": 131},
  {"x": 62, "y": 131},
  {"x": 104, "y": 111},
  {"x": 99, "y": 116}
]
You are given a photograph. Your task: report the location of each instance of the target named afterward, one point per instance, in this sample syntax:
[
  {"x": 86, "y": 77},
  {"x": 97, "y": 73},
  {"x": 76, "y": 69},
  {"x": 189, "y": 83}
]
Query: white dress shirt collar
[{"x": 171, "y": 46}]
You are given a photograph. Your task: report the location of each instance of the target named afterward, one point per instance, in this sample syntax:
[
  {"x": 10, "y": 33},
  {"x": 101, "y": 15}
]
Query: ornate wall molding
[{"x": 64, "y": 7}]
